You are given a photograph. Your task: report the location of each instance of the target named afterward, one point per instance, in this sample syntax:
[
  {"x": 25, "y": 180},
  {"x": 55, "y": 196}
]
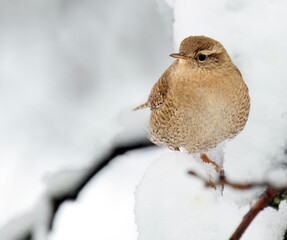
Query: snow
[{"x": 171, "y": 204}]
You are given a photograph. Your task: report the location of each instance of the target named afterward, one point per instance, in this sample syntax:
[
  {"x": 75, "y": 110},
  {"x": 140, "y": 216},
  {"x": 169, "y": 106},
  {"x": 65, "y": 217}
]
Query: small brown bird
[{"x": 199, "y": 101}]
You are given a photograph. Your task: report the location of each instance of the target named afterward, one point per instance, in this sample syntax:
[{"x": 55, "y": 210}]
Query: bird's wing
[{"x": 158, "y": 93}]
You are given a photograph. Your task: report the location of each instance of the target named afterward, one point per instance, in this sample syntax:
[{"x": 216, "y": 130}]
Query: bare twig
[{"x": 262, "y": 202}]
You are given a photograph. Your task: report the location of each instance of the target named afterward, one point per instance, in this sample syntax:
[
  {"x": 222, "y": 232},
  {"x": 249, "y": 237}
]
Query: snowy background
[{"x": 71, "y": 71}]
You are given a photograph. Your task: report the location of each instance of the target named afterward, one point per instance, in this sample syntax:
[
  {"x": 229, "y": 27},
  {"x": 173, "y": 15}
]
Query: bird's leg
[{"x": 217, "y": 168}]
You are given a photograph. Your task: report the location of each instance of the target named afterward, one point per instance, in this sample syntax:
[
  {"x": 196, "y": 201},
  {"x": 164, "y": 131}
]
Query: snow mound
[{"x": 171, "y": 204}]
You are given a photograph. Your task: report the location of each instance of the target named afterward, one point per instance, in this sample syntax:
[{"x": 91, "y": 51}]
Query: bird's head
[{"x": 202, "y": 52}]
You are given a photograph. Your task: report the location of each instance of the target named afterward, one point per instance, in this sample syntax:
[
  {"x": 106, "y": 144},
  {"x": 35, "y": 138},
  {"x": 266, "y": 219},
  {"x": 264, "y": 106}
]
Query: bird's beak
[{"x": 177, "y": 55}]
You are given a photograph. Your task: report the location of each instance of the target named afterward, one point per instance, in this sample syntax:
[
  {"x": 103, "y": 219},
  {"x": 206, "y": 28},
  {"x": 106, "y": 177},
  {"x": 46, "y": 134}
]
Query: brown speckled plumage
[{"x": 196, "y": 105}]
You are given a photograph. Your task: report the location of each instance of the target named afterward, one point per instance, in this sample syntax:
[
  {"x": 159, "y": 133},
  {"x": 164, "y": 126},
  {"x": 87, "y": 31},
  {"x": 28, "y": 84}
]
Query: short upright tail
[{"x": 141, "y": 106}]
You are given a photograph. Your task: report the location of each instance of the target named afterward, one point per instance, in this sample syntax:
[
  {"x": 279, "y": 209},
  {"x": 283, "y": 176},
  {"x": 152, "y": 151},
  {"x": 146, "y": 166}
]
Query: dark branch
[
  {"x": 94, "y": 170},
  {"x": 27, "y": 237},
  {"x": 262, "y": 202}
]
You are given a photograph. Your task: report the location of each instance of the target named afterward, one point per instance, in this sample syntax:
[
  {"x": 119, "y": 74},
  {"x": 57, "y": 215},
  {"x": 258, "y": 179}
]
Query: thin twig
[
  {"x": 261, "y": 203},
  {"x": 240, "y": 186}
]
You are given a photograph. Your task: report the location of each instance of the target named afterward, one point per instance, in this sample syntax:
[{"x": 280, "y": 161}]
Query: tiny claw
[
  {"x": 217, "y": 168},
  {"x": 210, "y": 183}
]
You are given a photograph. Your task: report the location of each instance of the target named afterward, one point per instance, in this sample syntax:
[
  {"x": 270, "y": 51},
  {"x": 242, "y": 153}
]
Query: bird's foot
[{"x": 217, "y": 168}]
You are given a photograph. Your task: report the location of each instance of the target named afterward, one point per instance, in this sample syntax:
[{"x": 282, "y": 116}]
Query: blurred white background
[{"x": 70, "y": 73}]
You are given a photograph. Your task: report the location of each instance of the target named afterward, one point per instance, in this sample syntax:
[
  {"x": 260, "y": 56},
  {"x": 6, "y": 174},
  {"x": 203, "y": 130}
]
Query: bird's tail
[{"x": 141, "y": 106}]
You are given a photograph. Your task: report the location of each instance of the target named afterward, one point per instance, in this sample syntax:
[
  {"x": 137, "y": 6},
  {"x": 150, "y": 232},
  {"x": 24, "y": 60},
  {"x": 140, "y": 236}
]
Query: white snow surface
[{"x": 171, "y": 204}]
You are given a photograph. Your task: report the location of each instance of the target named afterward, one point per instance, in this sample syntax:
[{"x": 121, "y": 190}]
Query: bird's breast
[{"x": 200, "y": 110}]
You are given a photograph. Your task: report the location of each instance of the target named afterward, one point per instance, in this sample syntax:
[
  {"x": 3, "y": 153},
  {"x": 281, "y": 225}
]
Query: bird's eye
[{"x": 201, "y": 57}]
